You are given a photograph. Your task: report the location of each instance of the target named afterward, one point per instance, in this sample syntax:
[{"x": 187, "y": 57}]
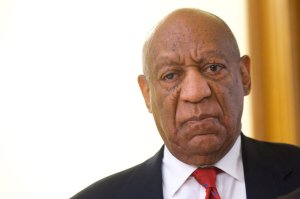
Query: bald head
[{"x": 187, "y": 25}]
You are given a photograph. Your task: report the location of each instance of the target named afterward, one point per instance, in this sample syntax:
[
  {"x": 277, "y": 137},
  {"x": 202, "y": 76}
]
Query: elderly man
[{"x": 194, "y": 84}]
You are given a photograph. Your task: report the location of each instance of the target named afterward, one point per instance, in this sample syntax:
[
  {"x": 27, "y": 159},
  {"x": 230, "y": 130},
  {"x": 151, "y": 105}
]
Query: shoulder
[
  {"x": 274, "y": 165},
  {"x": 263, "y": 148},
  {"x": 277, "y": 157},
  {"x": 123, "y": 183},
  {"x": 106, "y": 187}
]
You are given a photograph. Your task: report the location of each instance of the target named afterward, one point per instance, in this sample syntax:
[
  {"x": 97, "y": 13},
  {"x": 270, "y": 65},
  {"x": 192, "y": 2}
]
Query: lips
[
  {"x": 204, "y": 124},
  {"x": 203, "y": 121},
  {"x": 200, "y": 118}
]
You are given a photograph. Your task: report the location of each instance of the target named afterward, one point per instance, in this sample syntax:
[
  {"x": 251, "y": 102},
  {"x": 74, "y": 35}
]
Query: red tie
[{"x": 207, "y": 178}]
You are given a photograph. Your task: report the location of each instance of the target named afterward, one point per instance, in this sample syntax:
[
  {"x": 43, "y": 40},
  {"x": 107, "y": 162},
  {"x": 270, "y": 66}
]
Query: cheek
[
  {"x": 236, "y": 95},
  {"x": 231, "y": 102},
  {"x": 164, "y": 105}
]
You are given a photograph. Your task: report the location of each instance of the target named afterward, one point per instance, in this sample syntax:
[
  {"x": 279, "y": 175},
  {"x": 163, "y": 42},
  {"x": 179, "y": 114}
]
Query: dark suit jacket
[
  {"x": 270, "y": 170},
  {"x": 294, "y": 195}
]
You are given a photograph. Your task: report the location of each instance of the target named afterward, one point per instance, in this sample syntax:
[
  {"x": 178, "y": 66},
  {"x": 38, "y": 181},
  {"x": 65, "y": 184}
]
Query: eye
[
  {"x": 169, "y": 76},
  {"x": 215, "y": 67},
  {"x": 214, "y": 70}
]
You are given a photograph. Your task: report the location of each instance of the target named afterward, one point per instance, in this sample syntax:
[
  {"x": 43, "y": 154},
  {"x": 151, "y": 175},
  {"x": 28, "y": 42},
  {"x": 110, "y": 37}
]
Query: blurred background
[{"x": 70, "y": 108}]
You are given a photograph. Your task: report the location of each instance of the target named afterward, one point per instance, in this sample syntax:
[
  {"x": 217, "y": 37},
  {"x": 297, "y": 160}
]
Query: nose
[{"x": 194, "y": 87}]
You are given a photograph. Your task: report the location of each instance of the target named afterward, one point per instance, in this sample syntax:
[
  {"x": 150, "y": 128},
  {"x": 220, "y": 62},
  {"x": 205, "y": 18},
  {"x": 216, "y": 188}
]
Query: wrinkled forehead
[
  {"x": 187, "y": 31},
  {"x": 186, "y": 26}
]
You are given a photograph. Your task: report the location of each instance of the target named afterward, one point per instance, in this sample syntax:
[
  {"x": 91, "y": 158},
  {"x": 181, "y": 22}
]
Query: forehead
[
  {"x": 187, "y": 27},
  {"x": 190, "y": 34}
]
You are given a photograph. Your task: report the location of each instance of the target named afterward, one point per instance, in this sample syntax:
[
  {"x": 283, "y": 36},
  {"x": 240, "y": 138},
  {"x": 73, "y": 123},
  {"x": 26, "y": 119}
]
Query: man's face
[{"x": 195, "y": 89}]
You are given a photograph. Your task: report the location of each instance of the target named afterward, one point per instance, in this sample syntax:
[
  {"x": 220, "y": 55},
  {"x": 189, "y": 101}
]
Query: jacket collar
[
  {"x": 145, "y": 180},
  {"x": 264, "y": 171}
]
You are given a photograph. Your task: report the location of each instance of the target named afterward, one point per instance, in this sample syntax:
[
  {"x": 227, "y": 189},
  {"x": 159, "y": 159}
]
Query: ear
[
  {"x": 144, "y": 86},
  {"x": 245, "y": 73}
]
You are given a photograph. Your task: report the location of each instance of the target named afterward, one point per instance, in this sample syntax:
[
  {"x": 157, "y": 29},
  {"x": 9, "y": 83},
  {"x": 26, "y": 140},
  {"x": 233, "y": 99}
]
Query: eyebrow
[
  {"x": 209, "y": 55},
  {"x": 177, "y": 60},
  {"x": 174, "y": 60}
]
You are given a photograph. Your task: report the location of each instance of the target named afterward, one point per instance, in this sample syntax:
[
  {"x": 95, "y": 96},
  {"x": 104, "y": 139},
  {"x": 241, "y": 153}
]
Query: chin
[
  {"x": 201, "y": 157},
  {"x": 206, "y": 139},
  {"x": 206, "y": 150},
  {"x": 205, "y": 144}
]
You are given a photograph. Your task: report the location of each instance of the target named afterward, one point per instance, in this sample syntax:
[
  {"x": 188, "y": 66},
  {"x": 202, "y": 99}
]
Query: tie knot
[{"x": 206, "y": 176}]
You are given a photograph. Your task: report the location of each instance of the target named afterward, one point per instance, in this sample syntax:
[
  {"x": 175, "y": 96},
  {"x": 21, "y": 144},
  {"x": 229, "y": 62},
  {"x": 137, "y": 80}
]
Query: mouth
[
  {"x": 200, "y": 124},
  {"x": 200, "y": 118}
]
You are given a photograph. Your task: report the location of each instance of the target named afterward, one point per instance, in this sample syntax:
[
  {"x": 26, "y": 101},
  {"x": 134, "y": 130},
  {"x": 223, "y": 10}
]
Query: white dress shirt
[{"x": 179, "y": 184}]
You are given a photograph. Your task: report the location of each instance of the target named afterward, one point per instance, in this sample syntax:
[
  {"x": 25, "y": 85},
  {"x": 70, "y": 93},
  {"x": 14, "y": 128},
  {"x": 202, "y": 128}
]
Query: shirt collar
[
  {"x": 232, "y": 163},
  {"x": 175, "y": 172}
]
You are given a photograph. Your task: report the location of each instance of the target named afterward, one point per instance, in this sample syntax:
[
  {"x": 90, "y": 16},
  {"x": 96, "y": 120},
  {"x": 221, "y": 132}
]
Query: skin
[{"x": 194, "y": 84}]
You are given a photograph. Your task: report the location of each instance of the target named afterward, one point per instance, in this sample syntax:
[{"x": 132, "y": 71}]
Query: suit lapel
[
  {"x": 264, "y": 171},
  {"x": 145, "y": 181}
]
